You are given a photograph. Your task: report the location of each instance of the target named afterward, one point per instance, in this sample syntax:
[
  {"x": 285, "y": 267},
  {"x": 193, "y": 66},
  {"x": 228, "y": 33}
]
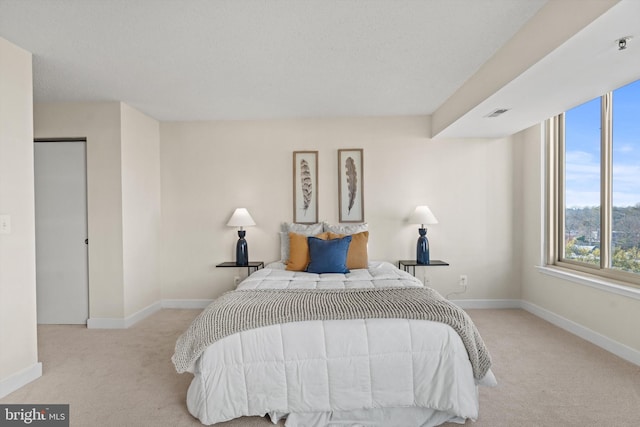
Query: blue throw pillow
[{"x": 328, "y": 256}]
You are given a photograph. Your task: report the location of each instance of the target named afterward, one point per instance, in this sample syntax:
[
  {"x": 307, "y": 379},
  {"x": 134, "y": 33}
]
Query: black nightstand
[
  {"x": 255, "y": 265},
  {"x": 410, "y": 265}
]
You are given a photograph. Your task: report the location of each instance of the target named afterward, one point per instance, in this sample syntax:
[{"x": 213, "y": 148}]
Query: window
[{"x": 594, "y": 186}]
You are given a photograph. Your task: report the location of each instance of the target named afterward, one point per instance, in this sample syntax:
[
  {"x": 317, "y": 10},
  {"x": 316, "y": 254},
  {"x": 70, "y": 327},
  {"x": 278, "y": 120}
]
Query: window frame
[{"x": 555, "y": 217}]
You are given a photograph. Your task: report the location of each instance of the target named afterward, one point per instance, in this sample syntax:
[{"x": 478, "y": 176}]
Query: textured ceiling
[{"x": 235, "y": 59}]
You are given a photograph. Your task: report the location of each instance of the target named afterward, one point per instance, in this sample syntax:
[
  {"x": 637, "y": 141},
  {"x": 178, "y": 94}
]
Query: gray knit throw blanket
[{"x": 241, "y": 310}]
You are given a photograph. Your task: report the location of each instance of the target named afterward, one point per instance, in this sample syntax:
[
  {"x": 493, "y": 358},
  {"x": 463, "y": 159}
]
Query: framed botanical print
[
  {"x": 305, "y": 187},
  {"x": 350, "y": 185}
]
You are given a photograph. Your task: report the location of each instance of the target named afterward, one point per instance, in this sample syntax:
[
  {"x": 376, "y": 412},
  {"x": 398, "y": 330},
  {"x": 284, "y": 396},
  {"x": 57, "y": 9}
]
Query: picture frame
[
  {"x": 305, "y": 187},
  {"x": 351, "y": 185}
]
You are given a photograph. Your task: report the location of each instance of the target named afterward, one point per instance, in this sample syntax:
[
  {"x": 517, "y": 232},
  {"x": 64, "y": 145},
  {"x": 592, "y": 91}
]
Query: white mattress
[
  {"x": 378, "y": 275},
  {"x": 349, "y": 372}
]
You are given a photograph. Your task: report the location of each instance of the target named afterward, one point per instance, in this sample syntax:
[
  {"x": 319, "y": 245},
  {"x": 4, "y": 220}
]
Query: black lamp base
[
  {"x": 422, "y": 252},
  {"x": 242, "y": 252}
]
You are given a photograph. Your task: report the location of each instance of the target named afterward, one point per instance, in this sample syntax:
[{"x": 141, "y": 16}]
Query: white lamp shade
[
  {"x": 241, "y": 218},
  {"x": 423, "y": 215}
]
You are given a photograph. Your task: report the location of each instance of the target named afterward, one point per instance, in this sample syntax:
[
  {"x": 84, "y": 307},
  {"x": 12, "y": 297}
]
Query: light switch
[{"x": 5, "y": 224}]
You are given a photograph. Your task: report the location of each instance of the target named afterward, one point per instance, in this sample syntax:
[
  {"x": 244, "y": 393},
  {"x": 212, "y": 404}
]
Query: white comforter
[{"x": 352, "y": 372}]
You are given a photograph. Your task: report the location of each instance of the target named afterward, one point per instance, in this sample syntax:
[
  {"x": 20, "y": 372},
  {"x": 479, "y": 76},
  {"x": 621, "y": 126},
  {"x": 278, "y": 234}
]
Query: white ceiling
[
  {"x": 201, "y": 60},
  {"x": 259, "y": 59}
]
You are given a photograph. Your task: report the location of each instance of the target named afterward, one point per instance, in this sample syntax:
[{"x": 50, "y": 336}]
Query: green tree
[{"x": 627, "y": 260}]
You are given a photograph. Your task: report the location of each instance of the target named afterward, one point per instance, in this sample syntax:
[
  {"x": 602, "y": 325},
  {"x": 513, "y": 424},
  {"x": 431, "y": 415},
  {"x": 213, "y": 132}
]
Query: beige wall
[
  {"x": 140, "y": 150},
  {"x": 100, "y": 124},
  {"x": 18, "y": 334},
  {"x": 481, "y": 191},
  {"x": 123, "y": 185},
  {"x": 614, "y": 316},
  {"x": 211, "y": 168}
]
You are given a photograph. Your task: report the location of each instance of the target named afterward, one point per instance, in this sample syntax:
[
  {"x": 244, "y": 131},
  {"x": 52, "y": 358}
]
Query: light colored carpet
[{"x": 547, "y": 377}]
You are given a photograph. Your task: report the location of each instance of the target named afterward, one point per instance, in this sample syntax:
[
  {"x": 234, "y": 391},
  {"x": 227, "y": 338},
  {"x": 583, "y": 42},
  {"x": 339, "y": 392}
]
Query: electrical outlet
[
  {"x": 464, "y": 280},
  {"x": 236, "y": 280}
]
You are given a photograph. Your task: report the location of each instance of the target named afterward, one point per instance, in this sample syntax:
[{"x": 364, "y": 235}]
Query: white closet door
[{"x": 62, "y": 276}]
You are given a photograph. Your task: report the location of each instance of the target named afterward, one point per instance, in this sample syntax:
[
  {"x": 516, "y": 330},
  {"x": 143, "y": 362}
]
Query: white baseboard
[
  {"x": 612, "y": 346},
  {"x": 487, "y": 303},
  {"x": 20, "y": 379},
  {"x": 141, "y": 314},
  {"x": 105, "y": 323},
  {"x": 123, "y": 323},
  {"x": 583, "y": 332},
  {"x": 186, "y": 303}
]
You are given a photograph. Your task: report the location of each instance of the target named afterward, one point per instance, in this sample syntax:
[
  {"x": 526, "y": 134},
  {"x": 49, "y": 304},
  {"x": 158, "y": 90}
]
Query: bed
[{"x": 348, "y": 364}]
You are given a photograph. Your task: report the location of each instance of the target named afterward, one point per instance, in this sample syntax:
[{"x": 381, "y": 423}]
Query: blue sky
[{"x": 582, "y": 132}]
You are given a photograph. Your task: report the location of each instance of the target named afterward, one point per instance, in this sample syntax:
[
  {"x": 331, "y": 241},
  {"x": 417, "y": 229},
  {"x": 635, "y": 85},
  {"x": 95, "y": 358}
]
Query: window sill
[{"x": 594, "y": 282}]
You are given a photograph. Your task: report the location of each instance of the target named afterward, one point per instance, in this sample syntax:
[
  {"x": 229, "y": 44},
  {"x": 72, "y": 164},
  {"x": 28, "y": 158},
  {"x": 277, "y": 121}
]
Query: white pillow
[
  {"x": 305, "y": 229},
  {"x": 346, "y": 228},
  {"x": 284, "y": 246}
]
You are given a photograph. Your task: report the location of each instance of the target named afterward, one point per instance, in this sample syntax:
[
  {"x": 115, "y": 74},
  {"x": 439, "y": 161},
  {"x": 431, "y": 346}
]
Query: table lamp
[
  {"x": 241, "y": 218},
  {"x": 422, "y": 215}
]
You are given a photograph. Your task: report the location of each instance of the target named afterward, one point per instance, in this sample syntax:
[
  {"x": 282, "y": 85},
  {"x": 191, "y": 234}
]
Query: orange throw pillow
[
  {"x": 299, "y": 256},
  {"x": 357, "y": 257}
]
